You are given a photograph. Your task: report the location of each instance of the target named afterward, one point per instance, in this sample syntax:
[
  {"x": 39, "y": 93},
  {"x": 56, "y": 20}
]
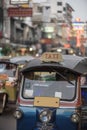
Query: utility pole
[{"x": 6, "y": 23}]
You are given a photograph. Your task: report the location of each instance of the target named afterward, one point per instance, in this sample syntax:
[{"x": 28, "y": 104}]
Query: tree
[{"x": 6, "y": 50}]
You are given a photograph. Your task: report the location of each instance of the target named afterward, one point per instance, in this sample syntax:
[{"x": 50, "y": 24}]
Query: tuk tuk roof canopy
[
  {"x": 21, "y": 59},
  {"x": 77, "y": 64}
]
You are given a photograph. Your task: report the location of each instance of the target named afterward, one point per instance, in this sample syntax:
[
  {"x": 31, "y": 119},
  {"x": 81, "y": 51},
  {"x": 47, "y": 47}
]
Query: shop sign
[
  {"x": 49, "y": 29},
  {"x": 19, "y": 1},
  {"x": 78, "y": 25},
  {"x": 19, "y": 12}
]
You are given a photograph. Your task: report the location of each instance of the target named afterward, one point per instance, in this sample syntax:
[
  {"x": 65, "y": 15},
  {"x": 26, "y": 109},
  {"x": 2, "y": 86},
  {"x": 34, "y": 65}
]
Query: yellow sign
[
  {"x": 51, "y": 57},
  {"x": 46, "y": 102},
  {"x": 25, "y": 5}
]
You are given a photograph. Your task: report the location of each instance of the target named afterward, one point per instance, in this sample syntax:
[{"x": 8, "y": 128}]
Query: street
[{"x": 7, "y": 120}]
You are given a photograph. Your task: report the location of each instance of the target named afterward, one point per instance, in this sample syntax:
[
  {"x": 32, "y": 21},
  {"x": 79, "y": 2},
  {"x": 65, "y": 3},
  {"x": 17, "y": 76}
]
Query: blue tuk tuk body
[
  {"x": 61, "y": 120},
  {"x": 46, "y": 103}
]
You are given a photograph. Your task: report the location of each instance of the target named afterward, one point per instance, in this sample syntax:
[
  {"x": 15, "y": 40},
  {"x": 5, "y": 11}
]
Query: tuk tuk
[
  {"x": 21, "y": 60},
  {"x": 50, "y": 94},
  {"x": 8, "y": 83},
  {"x": 84, "y": 99}
]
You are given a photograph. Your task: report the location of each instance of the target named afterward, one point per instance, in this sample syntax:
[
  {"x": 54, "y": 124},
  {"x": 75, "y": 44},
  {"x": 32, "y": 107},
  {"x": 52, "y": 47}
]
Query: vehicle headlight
[
  {"x": 45, "y": 116},
  {"x": 18, "y": 114},
  {"x": 75, "y": 118},
  {"x": 59, "y": 50}
]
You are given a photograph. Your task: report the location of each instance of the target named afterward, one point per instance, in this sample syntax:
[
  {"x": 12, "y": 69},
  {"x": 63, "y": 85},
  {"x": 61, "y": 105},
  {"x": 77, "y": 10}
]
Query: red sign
[{"x": 19, "y": 12}]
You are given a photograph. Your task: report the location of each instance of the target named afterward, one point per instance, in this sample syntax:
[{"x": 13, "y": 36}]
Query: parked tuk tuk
[
  {"x": 50, "y": 94},
  {"x": 8, "y": 83}
]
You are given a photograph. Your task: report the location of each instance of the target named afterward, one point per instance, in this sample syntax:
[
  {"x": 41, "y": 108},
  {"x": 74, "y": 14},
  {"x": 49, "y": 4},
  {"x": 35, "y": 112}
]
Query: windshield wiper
[
  {"x": 65, "y": 78},
  {"x": 62, "y": 76}
]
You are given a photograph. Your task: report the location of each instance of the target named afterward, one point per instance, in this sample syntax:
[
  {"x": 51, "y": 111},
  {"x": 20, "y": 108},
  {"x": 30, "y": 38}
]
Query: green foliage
[{"x": 6, "y": 50}]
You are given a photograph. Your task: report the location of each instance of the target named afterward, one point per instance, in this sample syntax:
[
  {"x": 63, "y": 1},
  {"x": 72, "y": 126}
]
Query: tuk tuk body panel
[
  {"x": 11, "y": 90},
  {"x": 27, "y": 122},
  {"x": 61, "y": 119}
]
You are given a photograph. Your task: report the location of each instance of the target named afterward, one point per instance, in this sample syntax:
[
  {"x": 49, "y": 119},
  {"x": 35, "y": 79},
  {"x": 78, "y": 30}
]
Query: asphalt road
[{"x": 7, "y": 121}]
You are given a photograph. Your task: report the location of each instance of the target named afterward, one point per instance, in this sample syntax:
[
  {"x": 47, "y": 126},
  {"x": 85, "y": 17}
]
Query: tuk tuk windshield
[
  {"x": 49, "y": 84},
  {"x": 9, "y": 69}
]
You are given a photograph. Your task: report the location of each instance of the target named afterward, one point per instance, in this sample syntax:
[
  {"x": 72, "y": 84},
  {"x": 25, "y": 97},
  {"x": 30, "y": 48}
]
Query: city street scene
[{"x": 43, "y": 65}]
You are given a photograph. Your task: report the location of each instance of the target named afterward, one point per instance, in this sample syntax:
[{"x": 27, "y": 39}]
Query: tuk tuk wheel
[
  {"x": 4, "y": 100},
  {"x": 3, "y": 104}
]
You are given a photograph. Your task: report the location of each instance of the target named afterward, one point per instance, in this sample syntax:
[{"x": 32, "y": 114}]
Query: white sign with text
[{"x": 19, "y": 1}]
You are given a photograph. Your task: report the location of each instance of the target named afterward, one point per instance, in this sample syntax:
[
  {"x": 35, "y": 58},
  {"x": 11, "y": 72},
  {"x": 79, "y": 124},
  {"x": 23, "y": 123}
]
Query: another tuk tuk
[
  {"x": 21, "y": 60},
  {"x": 50, "y": 94},
  {"x": 8, "y": 83}
]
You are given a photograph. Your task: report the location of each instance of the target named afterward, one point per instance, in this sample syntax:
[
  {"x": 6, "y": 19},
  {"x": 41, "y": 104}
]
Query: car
[
  {"x": 63, "y": 50},
  {"x": 50, "y": 95}
]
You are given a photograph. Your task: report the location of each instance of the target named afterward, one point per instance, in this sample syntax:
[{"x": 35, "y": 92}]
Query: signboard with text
[
  {"x": 39, "y": 1},
  {"x": 19, "y": 1},
  {"x": 78, "y": 25},
  {"x": 19, "y": 12}
]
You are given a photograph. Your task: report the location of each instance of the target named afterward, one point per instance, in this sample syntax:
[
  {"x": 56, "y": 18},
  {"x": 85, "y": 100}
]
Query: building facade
[{"x": 48, "y": 13}]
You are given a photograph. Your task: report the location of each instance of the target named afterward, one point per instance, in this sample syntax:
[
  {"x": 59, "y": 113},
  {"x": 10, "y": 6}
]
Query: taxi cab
[{"x": 50, "y": 94}]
